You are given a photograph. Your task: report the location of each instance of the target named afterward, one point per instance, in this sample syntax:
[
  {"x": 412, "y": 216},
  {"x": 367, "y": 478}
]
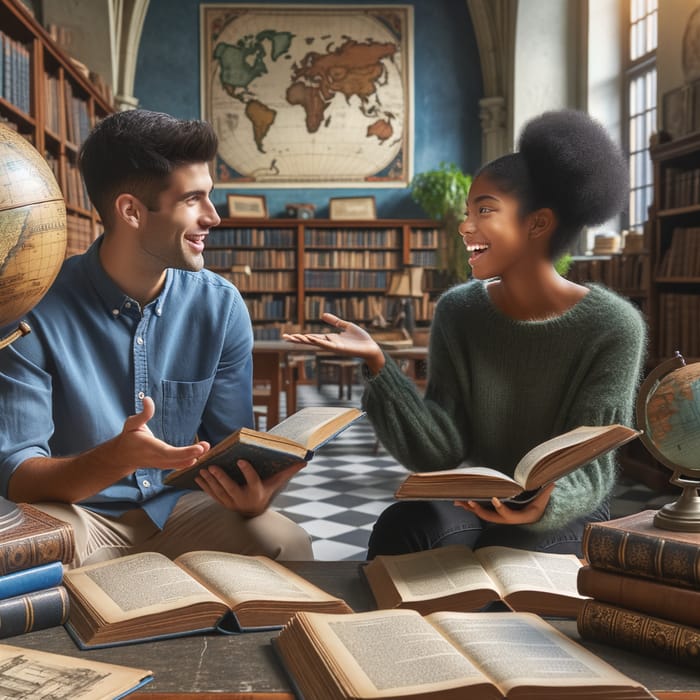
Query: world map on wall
[{"x": 308, "y": 96}]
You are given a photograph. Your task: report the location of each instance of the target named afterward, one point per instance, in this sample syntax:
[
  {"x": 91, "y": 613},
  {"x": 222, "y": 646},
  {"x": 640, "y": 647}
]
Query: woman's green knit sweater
[{"x": 497, "y": 387}]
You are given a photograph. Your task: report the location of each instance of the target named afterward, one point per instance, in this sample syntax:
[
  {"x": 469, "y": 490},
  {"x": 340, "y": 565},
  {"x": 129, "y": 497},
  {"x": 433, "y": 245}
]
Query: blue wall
[{"x": 447, "y": 88}]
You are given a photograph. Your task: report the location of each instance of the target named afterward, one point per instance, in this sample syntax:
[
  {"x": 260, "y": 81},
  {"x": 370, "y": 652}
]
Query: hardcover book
[
  {"x": 36, "y": 578},
  {"x": 541, "y": 465},
  {"x": 28, "y": 673},
  {"x": 458, "y": 578},
  {"x": 641, "y": 594},
  {"x": 29, "y": 612},
  {"x": 35, "y": 538},
  {"x": 393, "y": 654},
  {"x": 639, "y": 632},
  {"x": 634, "y": 546},
  {"x": 147, "y": 596},
  {"x": 295, "y": 439}
]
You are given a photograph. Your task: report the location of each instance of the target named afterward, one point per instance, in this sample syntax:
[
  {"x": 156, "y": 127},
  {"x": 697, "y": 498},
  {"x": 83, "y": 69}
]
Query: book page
[
  {"x": 555, "y": 457},
  {"x": 515, "y": 649},
  {"x": 237, "y": 578},
  {"x": 313, "y": 425},
  {"x": 39, "y": 674},
  {"x": 392, "y": 650},
  {"x": 131, "y": 586},
  {"x": 461, "y": 482},
  {"x": 436, "y": 572},
  {"x": 522, "y": 570}
]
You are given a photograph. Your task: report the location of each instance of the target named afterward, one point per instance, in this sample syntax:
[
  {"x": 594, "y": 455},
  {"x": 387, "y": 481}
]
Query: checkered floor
[{"x": 351, "y": 480}]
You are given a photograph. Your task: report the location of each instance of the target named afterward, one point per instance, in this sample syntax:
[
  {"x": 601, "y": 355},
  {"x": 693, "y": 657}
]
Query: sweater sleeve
[
  {"x": 606, "y": 396},
  {"x": 419, "y": 431}
]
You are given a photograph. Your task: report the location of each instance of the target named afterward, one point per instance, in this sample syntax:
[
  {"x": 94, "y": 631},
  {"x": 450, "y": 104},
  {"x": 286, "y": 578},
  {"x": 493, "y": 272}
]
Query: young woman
[{"x": 517, "y": 355}]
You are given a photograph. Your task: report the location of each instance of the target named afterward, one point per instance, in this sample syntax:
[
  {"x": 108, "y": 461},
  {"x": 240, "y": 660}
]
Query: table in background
[{"x": 243, "y": 666}]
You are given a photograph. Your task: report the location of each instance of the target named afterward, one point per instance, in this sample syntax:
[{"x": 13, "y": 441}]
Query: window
[{"x": 640, "y": 88}]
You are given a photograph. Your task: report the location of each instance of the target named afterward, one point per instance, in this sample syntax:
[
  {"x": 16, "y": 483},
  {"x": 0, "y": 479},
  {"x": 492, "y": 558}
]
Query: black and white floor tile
[{"x": 352, "y": 479}]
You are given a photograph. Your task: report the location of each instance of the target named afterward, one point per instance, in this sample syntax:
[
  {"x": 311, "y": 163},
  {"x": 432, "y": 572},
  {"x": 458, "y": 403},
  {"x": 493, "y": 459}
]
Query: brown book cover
[
  {"x": 633, "y": 545},
  {"x": 639, "y": 632},
  {"x": 34, "y": 538},
  {"x": 640, "y": 594}
]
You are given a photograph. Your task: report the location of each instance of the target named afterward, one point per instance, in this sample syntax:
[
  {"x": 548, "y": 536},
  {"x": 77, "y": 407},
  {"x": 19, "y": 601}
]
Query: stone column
[{"x": 494, "y": 136}]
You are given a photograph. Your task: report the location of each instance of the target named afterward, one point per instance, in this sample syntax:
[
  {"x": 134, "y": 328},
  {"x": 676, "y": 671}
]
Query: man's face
[{"x": 174, "y": 235}]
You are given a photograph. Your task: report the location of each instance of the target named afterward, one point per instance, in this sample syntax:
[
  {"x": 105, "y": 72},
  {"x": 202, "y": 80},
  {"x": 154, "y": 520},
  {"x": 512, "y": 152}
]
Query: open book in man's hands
[
  {"x": 544, "y": 463},
  {"x": 295, "y": 439}
]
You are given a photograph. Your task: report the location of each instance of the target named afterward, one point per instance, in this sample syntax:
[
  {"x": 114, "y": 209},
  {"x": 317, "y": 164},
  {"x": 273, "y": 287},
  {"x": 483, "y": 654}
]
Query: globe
[
  {"x": 32, "y": 227},
  {"x": 668, "y": 408}
]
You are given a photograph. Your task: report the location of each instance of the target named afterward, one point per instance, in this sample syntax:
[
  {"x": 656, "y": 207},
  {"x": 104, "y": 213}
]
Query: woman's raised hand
[{"x": 349, "y": 339}]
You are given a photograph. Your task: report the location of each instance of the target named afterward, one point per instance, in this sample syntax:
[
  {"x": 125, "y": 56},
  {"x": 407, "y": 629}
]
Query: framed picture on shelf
[
  {"x": 361, "y": 208},
  {"x": 676, "y": 111},
  {"x": 246, "y": 206}
]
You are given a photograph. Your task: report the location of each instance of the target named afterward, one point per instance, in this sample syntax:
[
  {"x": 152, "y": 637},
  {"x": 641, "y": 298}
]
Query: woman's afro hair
[{"x": 575, "y": 167}]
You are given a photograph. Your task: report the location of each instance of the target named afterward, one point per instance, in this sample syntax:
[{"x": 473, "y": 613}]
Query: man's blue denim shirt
[{"x": 94, "y": 354}]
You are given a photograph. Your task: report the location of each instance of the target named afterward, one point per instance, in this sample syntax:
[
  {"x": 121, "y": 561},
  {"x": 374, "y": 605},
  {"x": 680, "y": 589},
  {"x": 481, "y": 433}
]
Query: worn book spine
[
  {"x": 33, "y": 611},
  {"x": 648, "y": 555},
  {"x": 635, "y": 631},
  {"x": 36, "y": 539},
  {"x": 644, "y": 595},
  {"x": 36, "y": 578}
]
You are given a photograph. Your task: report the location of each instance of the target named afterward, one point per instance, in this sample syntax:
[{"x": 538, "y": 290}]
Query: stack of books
[
  {"x": 644, "y": 585},
  {"x": 33, "y": 548}
]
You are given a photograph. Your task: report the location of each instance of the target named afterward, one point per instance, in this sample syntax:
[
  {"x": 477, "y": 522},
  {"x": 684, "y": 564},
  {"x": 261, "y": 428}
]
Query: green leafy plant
[{"x": 442, "y": 194}]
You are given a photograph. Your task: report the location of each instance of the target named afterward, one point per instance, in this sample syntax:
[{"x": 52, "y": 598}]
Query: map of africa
[{"x": 312, "y": 96}]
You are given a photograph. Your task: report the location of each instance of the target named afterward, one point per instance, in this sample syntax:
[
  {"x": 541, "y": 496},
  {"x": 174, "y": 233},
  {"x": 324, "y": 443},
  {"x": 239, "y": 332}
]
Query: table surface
[{"x": 236, "y": 666}]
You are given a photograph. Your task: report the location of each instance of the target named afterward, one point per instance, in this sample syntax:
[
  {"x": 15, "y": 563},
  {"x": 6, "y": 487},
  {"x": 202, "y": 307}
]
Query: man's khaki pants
[{"x": 196, "y": 523}]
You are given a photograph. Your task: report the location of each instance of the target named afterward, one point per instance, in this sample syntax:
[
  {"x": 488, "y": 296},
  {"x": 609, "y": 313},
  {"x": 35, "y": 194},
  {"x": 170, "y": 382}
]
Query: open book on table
[
  {"x": 541, "y": 465},
  {"x": 147, "y": 596},
  {"x": 393, "y": 654},
  {"x": 295, "y": 439},
  {"x": 458, "y": 578}
]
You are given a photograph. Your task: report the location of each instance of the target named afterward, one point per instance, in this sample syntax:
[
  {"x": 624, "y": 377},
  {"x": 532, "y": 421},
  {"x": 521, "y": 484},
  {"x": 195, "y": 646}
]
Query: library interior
[{"x": 348, "y": 136}]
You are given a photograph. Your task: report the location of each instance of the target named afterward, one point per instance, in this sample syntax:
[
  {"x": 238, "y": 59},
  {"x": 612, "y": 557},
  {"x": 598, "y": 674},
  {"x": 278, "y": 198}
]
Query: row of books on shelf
[
  {"x": 355, "y": 308},
  {"x": 263, "y": 280},
  {"x": 352, "y": 238},
  {"x": 620, "y": 271},
  {"x": 15, "y": 72},
  {"x": 681, "y": 187},
  {"x": 678, "y": 327},
  {"x": 271, "y": 306},
  {"x": 267, "y": 237},
  {"x": 80, "y": 234},
  {"x": 368, "y": 259},
  {"x": 256, "y": 259},
  {"x": 425, "y": 237},
  {"x": 682, "y": 257},
  {"x": 346, "y": 279},
  {"x": 78, "y": 124}
]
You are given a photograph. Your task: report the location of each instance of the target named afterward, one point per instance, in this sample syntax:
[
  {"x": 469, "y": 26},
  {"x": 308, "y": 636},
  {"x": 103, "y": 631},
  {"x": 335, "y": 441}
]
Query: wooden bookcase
[
  {"x": 48, "y": 100},
  {"x": 675, "y": 250},
  {"x": 300, "y": 268}
]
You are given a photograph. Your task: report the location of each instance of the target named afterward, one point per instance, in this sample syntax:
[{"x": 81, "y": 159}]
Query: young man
[{"x": 138, "y": 361}]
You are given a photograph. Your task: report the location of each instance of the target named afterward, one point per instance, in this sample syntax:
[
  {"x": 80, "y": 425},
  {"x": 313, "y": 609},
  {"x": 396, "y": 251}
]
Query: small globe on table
[
  {"x": 32, "y": 229},
  {"x": 668, "y": 408}
]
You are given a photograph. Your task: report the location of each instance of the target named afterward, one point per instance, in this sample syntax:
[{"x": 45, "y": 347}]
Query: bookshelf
[
  {"x": 46, "y": 98},
  {"x": 292, "y": 270},
  {"x": 675, "y": 249}
]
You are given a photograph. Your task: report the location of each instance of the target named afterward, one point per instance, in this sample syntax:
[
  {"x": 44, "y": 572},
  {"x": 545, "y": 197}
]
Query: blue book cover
[{"x": 29, "y": 580}]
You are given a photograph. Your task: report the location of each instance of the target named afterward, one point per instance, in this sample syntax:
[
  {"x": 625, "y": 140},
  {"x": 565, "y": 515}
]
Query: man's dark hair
[
  {"x": 136, "y": 151},
  {"x": 566, "y": 161}
]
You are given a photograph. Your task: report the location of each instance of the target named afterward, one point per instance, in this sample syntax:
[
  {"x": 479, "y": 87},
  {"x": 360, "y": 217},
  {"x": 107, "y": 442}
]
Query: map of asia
[{"x": 309, "y": 95}]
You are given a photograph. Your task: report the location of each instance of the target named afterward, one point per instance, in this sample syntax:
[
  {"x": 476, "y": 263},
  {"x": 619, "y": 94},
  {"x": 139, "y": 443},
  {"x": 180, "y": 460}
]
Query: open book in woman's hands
[{"x": 543, "y": 464}]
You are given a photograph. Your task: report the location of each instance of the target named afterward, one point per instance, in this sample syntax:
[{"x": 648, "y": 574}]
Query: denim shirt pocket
[{"x": 183, "y": 407}]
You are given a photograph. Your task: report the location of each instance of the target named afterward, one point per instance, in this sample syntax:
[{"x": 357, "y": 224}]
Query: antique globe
[
  {"x": 32, "y": 230},
  {"x": 668, "y": 410}
]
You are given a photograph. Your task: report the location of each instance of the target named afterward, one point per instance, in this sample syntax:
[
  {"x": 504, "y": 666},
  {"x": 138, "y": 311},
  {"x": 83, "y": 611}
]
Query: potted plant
[{"x": 442, "y": 193}]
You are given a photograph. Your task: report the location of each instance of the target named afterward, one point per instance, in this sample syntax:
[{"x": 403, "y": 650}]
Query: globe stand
[
  {"x": 682, "y": 515},
  {"x": 21, "y": 330}
]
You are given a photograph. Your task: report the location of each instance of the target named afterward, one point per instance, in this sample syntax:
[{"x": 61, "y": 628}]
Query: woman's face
[{"x": 494, "y": 233}]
